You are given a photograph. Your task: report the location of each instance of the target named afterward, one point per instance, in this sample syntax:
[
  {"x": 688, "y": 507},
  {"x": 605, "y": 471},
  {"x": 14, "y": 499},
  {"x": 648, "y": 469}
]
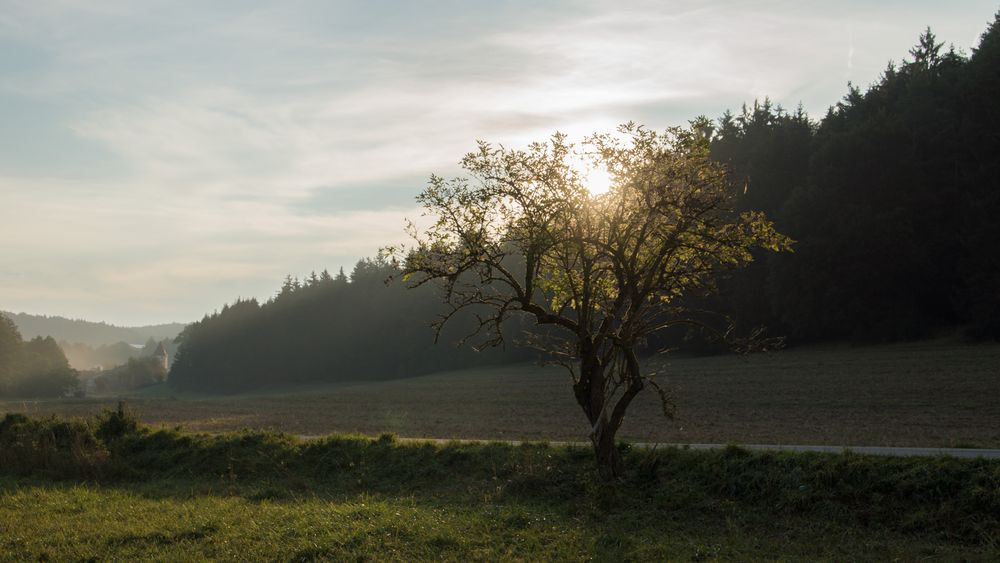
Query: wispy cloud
[{"x": 169, "y": 156}]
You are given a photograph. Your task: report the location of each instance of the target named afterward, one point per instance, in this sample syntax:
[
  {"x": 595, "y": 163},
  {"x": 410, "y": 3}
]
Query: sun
[
  {"x": 598, "y": 180},
  {"x": 591, "y": 175}
]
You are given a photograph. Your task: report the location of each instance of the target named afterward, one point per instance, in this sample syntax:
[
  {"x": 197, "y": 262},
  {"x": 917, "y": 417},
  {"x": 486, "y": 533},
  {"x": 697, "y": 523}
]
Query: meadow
[
  {"x": 111, "y": 489},
  {"x": 939, "y": 394}
]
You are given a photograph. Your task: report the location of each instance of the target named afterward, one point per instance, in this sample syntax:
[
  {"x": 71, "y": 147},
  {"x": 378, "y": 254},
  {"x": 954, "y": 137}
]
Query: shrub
[{"x": 53, "y": 447}]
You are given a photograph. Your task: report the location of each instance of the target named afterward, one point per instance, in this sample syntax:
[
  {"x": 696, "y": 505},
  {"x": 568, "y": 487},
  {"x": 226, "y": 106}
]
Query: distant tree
[
  {"x": 525, "y": 236},
  {"x": 927, "y": 52},
  {"x": 133, "y": 374},
  {"x": 288, "y": 287},
  {"x": 37, "y": 368},
  {"x": 46, "y": 371},
  {"x": 341, "y": 278},
  {"x": 44, "y": 354},
  {"x": 10, "y": 353}
]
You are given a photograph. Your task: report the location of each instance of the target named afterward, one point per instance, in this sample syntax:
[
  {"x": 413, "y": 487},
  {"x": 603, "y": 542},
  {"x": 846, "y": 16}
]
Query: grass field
[
  {"x": 110, "y": 491},
  {"x": 167, "y": 521},
  {"x": 922, "y": 394}
]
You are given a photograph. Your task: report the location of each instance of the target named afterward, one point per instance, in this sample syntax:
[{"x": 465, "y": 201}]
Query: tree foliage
[
  {"x": 36, "y": 368},
  {"x": 135, "y": 373}
]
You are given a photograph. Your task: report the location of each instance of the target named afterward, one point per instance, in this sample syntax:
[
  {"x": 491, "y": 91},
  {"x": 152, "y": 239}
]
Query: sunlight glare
[{"x": 598, "y": 181}]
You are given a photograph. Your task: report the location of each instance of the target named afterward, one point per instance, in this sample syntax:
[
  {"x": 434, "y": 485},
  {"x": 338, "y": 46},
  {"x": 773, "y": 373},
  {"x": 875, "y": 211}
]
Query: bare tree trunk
[
  {"x": 606, "y": 418},
  {"x": 590, "y": 394},
  {"x": 609, "y": 459}
]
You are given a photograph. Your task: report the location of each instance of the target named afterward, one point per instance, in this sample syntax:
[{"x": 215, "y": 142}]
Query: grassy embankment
[
  {"x": 935, "y": 394},
  {"x": 108, "y": 488}
]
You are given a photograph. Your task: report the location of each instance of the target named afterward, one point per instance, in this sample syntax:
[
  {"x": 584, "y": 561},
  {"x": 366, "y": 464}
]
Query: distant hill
[{"x": 87, "y": 332}]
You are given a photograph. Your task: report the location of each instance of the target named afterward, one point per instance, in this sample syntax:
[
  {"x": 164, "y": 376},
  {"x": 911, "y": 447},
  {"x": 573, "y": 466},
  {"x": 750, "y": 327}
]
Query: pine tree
[
  {"x": 341, "y": 278},
  {"x": 926, "y": 53}
]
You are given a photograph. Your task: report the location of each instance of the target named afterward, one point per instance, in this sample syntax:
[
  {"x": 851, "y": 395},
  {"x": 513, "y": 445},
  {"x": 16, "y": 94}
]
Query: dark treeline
[
  {"x": 33, "y": 368},
  {"x": 893, "y": 199},
  {"x": 324, "y": 329}
]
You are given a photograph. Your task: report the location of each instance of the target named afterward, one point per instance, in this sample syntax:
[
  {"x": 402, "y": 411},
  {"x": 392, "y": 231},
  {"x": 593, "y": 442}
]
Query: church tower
[{"x": 162, "y": 358}]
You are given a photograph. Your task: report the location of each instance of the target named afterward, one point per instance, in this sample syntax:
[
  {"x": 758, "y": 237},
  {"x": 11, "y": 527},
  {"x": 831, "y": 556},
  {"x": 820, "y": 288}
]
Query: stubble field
[{"x": 920, "y": 394}]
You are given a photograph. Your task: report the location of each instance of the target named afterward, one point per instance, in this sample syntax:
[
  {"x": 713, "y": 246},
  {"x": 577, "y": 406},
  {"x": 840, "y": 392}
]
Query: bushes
[
  {"x": 113, "y": 425},
  {"x": 58, "y": 448},
  {"x": 50, "y": 447}
]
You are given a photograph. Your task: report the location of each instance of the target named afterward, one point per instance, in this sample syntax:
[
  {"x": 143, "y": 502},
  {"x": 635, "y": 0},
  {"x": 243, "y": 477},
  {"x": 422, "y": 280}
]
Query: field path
[{"x": 866, "y": 450}]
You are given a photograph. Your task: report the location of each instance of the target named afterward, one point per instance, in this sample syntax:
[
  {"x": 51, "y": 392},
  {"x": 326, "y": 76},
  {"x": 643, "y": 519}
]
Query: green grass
[
  {"x": 72, "y": 522},
  {"x": 110, "y": 489}
]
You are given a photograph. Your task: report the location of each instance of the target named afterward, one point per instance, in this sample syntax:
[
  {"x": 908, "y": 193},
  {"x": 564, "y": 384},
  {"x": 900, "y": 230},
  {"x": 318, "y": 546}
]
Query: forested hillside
[
  {"x": 892, "y": 197},
  {"x": 327, "y": 328},
  {"x": 92, "y": 334}
]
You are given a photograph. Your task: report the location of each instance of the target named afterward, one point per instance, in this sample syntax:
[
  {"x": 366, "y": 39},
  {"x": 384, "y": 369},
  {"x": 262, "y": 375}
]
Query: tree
[
  {"x": 525, "y": 236},
  {"x": 927, "y": 51},
  {"x": 341, "y": 278},
  {"x": 47, "y": 372},
  {"x": 37, "y": 368},
  {"x": 10, "y": 353}
]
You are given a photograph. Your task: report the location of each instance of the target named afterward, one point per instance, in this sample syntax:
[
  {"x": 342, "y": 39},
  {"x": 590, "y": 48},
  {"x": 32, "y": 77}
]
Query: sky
[{"x": 160, "y": 159}]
